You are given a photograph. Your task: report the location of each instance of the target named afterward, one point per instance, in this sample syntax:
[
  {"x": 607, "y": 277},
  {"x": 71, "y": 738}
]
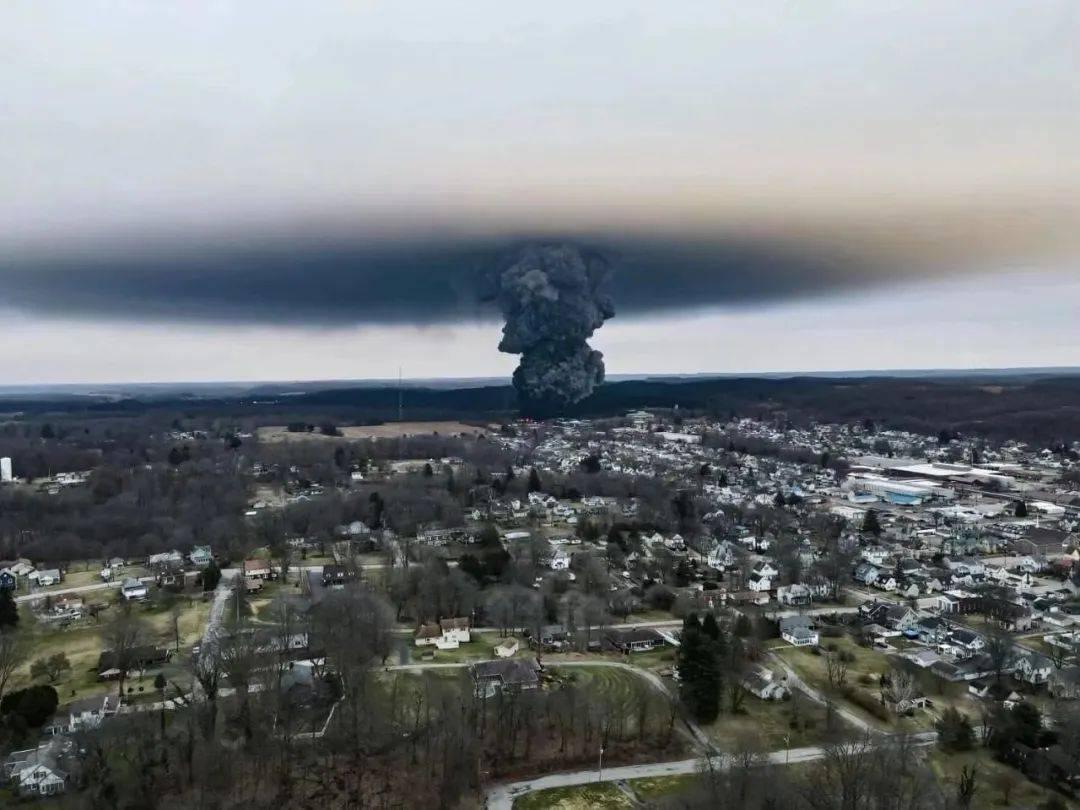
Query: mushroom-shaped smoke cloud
[{"x": 553, "y": 298}]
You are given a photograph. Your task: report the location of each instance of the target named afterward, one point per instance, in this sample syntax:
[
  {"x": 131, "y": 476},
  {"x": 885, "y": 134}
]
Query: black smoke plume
[{"x": 553, "y": 298}]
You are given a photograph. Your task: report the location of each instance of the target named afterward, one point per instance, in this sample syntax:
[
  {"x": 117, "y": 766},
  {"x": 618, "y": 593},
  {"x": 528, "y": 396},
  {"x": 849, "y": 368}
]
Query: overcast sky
[{"x": 213, "y": 191}]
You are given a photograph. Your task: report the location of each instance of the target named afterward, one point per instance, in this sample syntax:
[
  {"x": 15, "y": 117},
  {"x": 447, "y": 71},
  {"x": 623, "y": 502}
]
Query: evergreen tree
[
  {"x": 535, "y": 485},
  {"x": 871, "y": 525},
  {"x": 211, "y": 576},
  {"x": 1021, "y": 510},
  {"x": 700, "y": 659},
  {"x": 9, "y": 611}
]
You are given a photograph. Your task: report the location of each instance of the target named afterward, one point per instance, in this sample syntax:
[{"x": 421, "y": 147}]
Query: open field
[{"x": 389, "y": 430}]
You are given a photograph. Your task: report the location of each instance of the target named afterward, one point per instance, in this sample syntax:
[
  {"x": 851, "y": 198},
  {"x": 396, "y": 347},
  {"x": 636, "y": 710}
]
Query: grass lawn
[
  {"x": 990, "y": 780},
  {"x": 659, "y": 659},
  {"x": 863, "y": 673},
  {"x": 660, "y": 787},
  {"x": 580, "y": 797},
  {"x": 773, "y": 724},
  {"x": 82, "y": 644}
]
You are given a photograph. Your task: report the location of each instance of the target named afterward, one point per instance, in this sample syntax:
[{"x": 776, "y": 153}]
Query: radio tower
[{"x": 400, "y": 398}]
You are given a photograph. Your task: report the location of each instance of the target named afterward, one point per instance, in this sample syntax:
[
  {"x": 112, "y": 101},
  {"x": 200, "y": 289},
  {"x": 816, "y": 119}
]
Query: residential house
[
  {"x": 866, "y": 574},
  {"x": 551, "y": 637},
  {"x": 967, "y": 640},
  {"x": 257, "y": 569},
  {"x": 633, "y": 639},
  {"x": 799, "y": 631},
  {"x": 766, "y": 569},
  {"x": 507, "y": 648},
  {"x": 40, "y": 771},
  {"x": 456, "y": 629},
  {"x": 110, "y": 665},
  {"x": 560, "y": 560},
  {"x": 758, "y": 583},
  {"x": 167, "y": 559},
  {"x": 932, "y": 630},
  {"x": 8, "y": 581},
  {"x": 761, "y": 683},
  {"x": 722, "y": 556},
  {"x": 1032, "y": 668},
  {"x": 81, "y": 715},
  {"x": 794, "y": 595},
  {"x": 902, "y": 618},
  {"x": 335, "y": 575},
  {"x": 505, "y": 674},
  {"x": 132, "y": 588},
  {"x": 50, "y": 576},
  {"x": 201, "y": 556}
]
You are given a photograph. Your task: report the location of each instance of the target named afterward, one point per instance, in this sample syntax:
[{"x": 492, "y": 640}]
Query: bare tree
[
  {"x": 836, "y": 666},
  {"x": 13, "y": 652},
  {"x": 122, "y": 637}
]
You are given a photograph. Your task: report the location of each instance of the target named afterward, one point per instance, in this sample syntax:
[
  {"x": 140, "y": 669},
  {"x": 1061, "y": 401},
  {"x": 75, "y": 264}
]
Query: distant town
[{"x": 651, "y": 606}]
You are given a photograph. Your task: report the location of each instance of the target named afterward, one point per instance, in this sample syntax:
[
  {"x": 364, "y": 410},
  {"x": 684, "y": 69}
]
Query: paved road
[{"x": 501, "y": 797}]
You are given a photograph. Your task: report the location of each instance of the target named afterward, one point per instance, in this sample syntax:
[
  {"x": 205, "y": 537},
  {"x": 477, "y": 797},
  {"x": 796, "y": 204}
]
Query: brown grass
[{"x": 389, "y": 430}]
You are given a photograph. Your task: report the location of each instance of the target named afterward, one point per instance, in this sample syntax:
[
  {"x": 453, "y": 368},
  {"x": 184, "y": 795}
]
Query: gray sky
[{"x": 247, "y": 190}]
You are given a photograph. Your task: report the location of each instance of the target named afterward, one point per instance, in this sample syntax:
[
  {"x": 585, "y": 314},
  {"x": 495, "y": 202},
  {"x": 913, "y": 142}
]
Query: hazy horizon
[{"x": 243, "y": 191}]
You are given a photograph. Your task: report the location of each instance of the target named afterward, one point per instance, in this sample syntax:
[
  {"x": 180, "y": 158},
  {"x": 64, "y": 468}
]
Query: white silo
[{"x": 5, "y": 470}]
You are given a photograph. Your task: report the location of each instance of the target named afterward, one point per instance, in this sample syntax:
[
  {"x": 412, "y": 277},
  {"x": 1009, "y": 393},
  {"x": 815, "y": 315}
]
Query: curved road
[{"x": 501, "y": 797}]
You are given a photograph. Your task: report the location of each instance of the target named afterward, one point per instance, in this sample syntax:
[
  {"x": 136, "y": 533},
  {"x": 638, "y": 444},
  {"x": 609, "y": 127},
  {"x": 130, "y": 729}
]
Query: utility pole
[
  {"x": 600, "y": 778},
  {"x": 400, "y": 398}
]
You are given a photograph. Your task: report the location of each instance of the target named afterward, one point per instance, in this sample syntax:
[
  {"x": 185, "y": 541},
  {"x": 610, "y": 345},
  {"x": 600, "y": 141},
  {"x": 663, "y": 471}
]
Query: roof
[
  {"x": 94, "y": 703},
  {"x": 632, "y": 634},
  {"x": 510, "y": 671},
  {"x": 791, "y": 623}
]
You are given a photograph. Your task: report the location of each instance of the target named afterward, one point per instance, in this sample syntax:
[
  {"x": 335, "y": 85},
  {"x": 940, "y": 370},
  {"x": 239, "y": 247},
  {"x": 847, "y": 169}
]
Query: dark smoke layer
[{"x": 554, "y": 297}]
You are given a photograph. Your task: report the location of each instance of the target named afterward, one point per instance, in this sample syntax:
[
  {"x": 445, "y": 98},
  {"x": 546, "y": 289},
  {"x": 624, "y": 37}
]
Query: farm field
[{"x": 389, "y": 430}]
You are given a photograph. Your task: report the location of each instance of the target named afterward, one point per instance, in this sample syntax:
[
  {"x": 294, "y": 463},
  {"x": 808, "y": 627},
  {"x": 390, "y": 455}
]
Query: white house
[
  {"x": 133, "y": 589},
  {"x": 507, "y": 648},
  {"x": 761, "y": 683},
  {"x": 1033, "y": 668},
  {"x": 84, "y": 714},
  {"x": 759, "y": 583},
  {"x": 45, "y": 578},
  {"x": 560, "y": 560},
  {"x": 39, "y": 780},
  {"x": 721, "y": 556},
  {"x": 448, "y": 634},
  {"x": 799, "y": 631},
  {"x": 796, "y": 594},
  {"x": 766, "y": 569}
]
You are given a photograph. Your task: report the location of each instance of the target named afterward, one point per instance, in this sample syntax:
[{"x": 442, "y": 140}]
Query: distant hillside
[{"x": 1032, "y": 408}]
